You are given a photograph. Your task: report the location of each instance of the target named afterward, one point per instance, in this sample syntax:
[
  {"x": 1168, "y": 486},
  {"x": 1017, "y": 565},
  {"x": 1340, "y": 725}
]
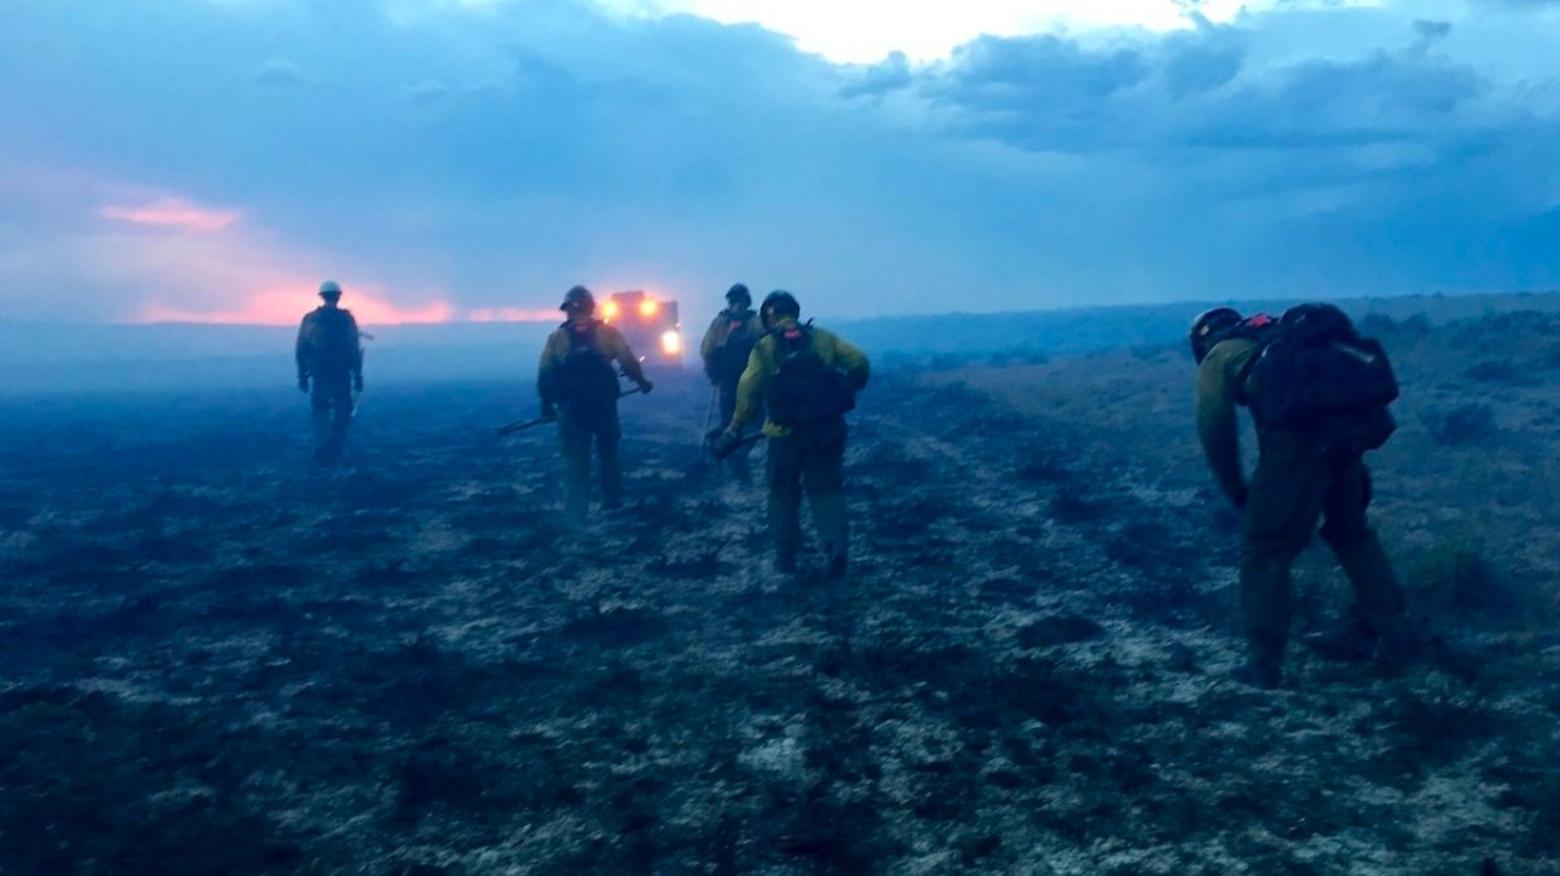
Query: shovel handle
[{"x": 523, "y": 425}]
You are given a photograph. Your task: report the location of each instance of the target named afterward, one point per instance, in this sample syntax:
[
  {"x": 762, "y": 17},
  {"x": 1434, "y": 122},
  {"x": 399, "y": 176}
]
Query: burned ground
[{"x": 218, "y": 662}]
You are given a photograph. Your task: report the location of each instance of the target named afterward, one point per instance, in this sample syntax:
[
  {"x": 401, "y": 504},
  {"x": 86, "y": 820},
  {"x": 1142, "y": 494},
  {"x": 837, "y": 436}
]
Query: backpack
[
  {"x": 730, "y": 359},
  {"x": 333, "y": 339},
  {"x": 586, "y": 372},
  {"x": 805, "y": 390},
  {"x": 1317, "y": 375}
]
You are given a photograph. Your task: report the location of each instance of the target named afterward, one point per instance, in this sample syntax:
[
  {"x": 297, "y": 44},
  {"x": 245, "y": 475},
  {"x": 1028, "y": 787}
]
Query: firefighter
[
  {"x": 725, "y": 350},
  {"x": 329, "y": 354},
  {"x": 808, "y": 379},
  {"x": 1306, "y": 472},
  {"x": 579, "y": 387}
]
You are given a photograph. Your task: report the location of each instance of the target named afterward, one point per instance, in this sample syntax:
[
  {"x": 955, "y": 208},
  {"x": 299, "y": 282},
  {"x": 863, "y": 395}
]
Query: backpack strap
[{"x": 1261, "y": 330}]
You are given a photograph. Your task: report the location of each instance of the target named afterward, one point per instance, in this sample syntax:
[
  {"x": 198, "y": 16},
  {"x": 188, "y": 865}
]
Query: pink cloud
[
  {"x": 172, "y": 213},
  {"x": 286, "y": 305},
  {"x": 234, "y": 273},
  {"x": 107, "y": 249}
]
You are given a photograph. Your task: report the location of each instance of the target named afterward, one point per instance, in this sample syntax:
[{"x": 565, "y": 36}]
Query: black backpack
[
  {"x": 731, "y": 358},
  {"x": 1319, "y": 376},
  {"x": 586, "y": 372},
  {"x": 334, "y": 341},
  {"x": 805, "y": 390}
]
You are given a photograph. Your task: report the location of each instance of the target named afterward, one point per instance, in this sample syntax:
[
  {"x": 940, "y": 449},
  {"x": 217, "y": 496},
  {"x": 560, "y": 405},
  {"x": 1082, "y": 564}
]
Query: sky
[{"x": 214, "y": 160}]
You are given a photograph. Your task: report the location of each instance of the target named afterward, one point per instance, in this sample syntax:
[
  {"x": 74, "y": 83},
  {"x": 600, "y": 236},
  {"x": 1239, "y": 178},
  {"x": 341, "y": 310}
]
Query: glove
[
  {"x": 645, "y": 386},
  {"x": 549, "y": 411},
  {"x": 725, "y": 443},
  {"x": 303, "y": 383},
  {"x": 357, "y": 383}
]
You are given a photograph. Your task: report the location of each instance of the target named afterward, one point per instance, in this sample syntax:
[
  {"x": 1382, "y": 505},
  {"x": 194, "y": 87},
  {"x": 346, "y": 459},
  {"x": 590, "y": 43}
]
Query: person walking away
[
  {"x": 808, "y": 377},
  {"x": 579, "y": 387},
  {"x": 726, "y": 347},
  {"x": 329, "y": 355},
  {"x": 1319, "y": 393}
]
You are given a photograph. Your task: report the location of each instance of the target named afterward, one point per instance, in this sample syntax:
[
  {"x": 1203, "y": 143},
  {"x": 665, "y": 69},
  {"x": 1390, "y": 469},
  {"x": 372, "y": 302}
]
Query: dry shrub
[
  {"x": 1499, "y": 371},
  {"x": 1456, "y": 577},
  {"x": 1460, "y": 426}
]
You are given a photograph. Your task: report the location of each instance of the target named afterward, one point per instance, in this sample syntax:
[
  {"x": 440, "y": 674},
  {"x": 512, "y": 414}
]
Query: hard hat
[
  {"x": 739, "y": 292},
  {"x": 1210, "y": 327},
  {"x": 779, "y": 302},
  {"x": 579, "y": 296},
  {"x": 330, "y": 289}
]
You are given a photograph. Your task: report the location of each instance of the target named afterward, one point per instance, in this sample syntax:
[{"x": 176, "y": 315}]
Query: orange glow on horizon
[
  {"x": 512, "y": 314},
  {"x": 286, "y": 306}
]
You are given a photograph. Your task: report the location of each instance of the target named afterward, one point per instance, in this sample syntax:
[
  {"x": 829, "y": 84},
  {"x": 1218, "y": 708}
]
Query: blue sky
[{"x": 457, "y": 159}]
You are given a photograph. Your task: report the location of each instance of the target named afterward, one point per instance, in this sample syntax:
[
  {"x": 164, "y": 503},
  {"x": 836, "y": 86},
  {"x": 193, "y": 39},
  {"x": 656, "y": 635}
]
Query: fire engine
[{"x": 650, "y": 326}]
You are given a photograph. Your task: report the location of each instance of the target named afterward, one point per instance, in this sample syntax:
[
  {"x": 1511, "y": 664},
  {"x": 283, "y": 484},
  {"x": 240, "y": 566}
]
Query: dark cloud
[
  {"x": 1197, "y": 63},
  {"x": 281, "y": 73},
  {"x": 427, "y": 93},
  {"x": 493, "y": 155},
  {"x": 1005, "y": 73},
  {"x": 876, "y": 80},
  {"x": 1050, "y": 94},
  {"x": 1431, "y": 30},
  {"x": 1317, "y": 104}
]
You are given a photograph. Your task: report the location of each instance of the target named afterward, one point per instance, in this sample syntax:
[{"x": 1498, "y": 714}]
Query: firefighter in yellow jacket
[
  {"x": 1303, "y": 476},
  {"x": 579, "y": 386},
  {"x": 808, "y": 379},
  {"x": 725, "y": 350}
]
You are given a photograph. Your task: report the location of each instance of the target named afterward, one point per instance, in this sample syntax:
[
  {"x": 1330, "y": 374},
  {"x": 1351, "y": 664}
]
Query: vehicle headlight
[{"x": 671, "y": 343}]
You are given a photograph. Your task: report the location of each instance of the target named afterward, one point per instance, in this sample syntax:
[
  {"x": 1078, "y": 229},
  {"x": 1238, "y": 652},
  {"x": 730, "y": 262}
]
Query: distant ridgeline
[
  {"x": 176, "y": 356},
  {"x": 63, "y": 358},
  {"x": 1037, "y": 334}
]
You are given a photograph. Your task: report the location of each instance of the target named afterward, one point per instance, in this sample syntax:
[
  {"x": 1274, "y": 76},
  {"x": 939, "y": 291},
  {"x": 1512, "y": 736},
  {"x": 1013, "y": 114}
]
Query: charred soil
[{"x": 219, "y": 661}]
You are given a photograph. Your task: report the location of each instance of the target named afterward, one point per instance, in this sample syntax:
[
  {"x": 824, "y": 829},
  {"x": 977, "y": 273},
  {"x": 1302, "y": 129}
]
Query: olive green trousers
[
  {"x": 812, "y": 459},
  {"x": 1295, "y": 487},
  {"x": 579, "y": 426}
]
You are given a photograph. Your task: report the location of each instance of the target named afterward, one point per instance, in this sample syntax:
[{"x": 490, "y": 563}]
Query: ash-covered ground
[{"x": 216, "y": 661}]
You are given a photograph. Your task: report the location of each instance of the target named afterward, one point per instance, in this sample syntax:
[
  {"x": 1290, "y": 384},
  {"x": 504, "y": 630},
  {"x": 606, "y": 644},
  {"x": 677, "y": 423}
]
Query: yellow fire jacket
[
  {"x": 1219, "y": 396},
  {"x": 835, "y": 352}
]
